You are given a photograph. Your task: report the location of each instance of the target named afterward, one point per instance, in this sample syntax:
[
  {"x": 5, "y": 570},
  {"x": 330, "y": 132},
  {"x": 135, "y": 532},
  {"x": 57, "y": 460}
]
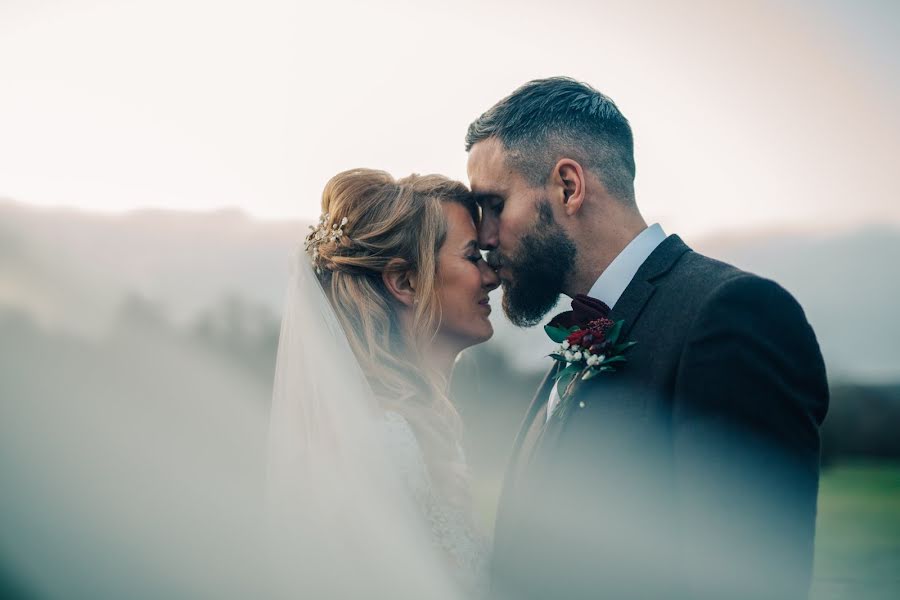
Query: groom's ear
[
  {"x": 568, "y": 179},
  {"x": 400, "y": 281}
]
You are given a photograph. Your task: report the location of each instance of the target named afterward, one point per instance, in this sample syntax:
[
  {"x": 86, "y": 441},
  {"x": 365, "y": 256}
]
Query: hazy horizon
[
  {"x": 746, "y": 116},
  {"x": 717, "y": 236}
]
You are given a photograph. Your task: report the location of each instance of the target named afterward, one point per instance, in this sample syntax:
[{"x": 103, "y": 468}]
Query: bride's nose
[{"x": 489, "y": 278}]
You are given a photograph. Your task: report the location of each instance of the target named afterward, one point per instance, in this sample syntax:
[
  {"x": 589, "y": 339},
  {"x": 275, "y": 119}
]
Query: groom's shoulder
[
  {"x": 711, "y": 281},
  {"x": 703, "y": 274}
]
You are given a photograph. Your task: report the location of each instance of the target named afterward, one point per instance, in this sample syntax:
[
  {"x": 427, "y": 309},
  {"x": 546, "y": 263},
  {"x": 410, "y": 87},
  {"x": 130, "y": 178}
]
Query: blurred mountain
[
  {"x": 74, "y": 271},
  {"x": 846, "y": 283}
]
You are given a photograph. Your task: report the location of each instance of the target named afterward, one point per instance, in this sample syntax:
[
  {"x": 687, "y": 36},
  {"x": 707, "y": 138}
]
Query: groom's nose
[{"x": 488, "y": 232}]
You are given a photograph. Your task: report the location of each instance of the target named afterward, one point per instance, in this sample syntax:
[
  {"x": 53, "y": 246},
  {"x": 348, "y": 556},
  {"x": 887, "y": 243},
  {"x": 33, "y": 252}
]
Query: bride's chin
[
  {"x": 475, "y": 340},
  {"x": 489, "y": 333},
  {"x": 463, "y": 340}
]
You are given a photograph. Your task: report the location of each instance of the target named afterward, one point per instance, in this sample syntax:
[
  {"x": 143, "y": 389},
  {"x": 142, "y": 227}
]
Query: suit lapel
[
  {"x": 628, "y": 309},
  {"x": 536, "y": 434},
  {"x": 630, "y": 305}
]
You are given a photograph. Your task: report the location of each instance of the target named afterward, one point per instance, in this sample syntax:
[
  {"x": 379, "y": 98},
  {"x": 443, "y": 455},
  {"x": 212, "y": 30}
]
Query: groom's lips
[{"x": 485, "y": 302}]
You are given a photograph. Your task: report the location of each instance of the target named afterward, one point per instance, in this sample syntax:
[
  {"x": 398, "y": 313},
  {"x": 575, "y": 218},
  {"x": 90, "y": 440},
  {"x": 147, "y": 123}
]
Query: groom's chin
[{"x": 524, "y": 310}]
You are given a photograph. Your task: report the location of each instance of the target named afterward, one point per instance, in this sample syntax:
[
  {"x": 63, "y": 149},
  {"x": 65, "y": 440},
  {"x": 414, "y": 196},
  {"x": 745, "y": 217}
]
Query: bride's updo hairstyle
[{"x": 374, "y": 224}]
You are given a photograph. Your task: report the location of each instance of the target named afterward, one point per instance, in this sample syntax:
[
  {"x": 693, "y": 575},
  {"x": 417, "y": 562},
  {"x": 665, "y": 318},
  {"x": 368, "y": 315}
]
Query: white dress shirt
[{"x": 616, "y": 277}]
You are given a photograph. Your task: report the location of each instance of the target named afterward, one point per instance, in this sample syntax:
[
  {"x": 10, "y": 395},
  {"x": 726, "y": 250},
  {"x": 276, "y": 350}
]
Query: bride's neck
[{"x": 441, "y": 357}]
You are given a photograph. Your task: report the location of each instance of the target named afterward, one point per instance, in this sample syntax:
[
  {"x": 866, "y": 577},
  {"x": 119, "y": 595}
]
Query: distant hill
[
  {"x": 74, "y": 270},
  {"x": 848, "y": 285}
]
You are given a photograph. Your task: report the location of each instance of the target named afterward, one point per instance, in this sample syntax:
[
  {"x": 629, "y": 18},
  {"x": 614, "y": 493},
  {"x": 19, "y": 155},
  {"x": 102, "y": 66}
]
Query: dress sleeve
[{"x": 450, "y": 527}]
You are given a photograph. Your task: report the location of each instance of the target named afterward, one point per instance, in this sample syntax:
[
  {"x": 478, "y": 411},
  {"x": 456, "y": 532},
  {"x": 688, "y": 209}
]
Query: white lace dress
[{"x": 450, "y": 527}]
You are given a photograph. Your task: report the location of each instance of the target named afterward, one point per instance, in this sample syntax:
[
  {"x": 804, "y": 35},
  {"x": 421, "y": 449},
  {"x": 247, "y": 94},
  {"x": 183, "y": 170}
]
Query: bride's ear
[{"x": 400, "y": 281}]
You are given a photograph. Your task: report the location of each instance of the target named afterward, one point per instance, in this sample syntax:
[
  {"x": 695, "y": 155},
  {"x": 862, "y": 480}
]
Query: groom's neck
[{"x": 597, "y": 249}]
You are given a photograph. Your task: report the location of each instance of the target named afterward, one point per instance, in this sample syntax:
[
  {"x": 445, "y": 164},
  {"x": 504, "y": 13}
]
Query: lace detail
[{"x": 450, "y": 527}]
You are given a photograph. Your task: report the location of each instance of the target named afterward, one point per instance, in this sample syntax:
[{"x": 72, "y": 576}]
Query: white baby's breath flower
[
  {"x": 576, "y": 356},
  {"x": 565, "y": 344},
  {"x": 569, "y": 356}
]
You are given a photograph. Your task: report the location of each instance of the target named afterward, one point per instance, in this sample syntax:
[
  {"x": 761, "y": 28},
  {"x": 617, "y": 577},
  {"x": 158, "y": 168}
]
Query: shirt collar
[{"x": 616, "y": 277}]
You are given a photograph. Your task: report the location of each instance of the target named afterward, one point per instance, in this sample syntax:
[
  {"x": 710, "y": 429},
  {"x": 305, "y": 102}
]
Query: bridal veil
[{"x": 341, "y": 523}]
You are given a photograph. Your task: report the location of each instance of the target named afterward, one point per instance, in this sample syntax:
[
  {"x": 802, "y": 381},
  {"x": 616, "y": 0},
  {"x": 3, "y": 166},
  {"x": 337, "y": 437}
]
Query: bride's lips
[{"x": 486, "y": 303}]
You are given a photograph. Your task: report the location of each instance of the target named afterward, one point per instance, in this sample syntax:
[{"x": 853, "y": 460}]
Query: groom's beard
[{"x": 538, "y": 271}]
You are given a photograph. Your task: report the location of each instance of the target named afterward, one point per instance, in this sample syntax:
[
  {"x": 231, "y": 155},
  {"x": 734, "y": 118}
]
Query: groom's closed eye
[
  {"x": 490, "y": 203},
  {"x": 495, "y": 205}
]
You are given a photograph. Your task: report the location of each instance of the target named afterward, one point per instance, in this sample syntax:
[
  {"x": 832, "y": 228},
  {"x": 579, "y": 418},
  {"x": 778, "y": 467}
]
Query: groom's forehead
[{"x": 487, "y": 168}]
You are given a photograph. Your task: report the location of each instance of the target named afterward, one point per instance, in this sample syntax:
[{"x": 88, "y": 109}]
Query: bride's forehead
[
  {"x": 459, "y": 216},
  {"x": 460, "y": 224}
]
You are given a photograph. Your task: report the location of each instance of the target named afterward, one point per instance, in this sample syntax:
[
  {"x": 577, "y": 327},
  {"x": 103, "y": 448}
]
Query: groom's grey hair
[{"x": 548, "y": 119}]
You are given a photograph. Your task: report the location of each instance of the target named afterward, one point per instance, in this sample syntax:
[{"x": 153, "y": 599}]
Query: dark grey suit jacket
[{"x": 690, "y": 473}]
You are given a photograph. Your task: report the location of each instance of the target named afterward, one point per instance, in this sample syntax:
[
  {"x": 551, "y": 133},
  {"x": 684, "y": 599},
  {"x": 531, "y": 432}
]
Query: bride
[{"x": 368, "y": 487}]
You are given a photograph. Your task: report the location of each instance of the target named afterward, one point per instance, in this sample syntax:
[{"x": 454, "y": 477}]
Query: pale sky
[{"x": 747, "y": 115}]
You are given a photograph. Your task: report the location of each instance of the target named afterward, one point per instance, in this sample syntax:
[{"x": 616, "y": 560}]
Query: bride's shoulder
[
  {"x": 450, "y": 526},
  {"x": 398, "y": 433}
]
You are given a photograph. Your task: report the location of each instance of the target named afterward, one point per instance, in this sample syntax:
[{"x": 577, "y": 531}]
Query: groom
[{"x": 691, "y": 471}]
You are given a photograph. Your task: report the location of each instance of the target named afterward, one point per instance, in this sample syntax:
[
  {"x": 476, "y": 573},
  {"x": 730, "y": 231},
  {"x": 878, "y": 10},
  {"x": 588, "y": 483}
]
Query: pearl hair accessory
[{"x": 322, "y": 233}]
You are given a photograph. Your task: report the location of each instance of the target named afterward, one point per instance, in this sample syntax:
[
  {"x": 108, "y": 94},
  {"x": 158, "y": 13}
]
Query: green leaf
[
  {"x": 620, "y": 348},
  {"x": 570, "y": 370},
  {"x": 557, "y": 334},
  {"x": 558, "y": 357},
  {"x": 613, "y": 334},
  {"x": 605, "y": 369},
  {"x": 590, "y": 374},
  {"x": 614, "y": 359},
  {"x": 565, "y": 378}
]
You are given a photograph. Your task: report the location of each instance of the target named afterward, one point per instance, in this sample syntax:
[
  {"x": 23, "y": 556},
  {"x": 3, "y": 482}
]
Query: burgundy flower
[
  {"x": 592, "y": 348},
  {"x": 576, "y": 337},
  {"x": 599, "y": 327},
  {"x": 593, "y": 333}
]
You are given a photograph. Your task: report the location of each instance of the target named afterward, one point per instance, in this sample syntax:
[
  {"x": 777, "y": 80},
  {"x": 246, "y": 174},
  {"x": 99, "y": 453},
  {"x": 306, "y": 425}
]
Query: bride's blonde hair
[{"x": 390, "y": 224}]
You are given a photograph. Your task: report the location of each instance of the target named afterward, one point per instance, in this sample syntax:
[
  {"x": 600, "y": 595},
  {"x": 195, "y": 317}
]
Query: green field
[{"x": 858, "y": 536}]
